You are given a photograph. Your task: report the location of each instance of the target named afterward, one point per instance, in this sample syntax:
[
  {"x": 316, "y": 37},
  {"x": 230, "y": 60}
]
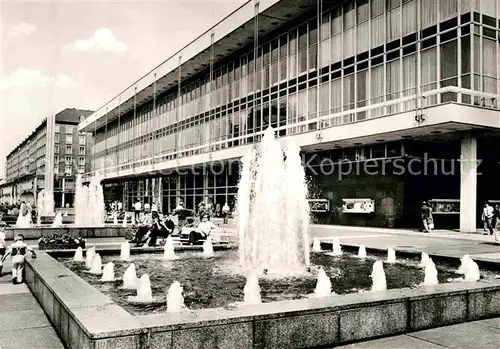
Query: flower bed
[{"x": 60, "y": 242}]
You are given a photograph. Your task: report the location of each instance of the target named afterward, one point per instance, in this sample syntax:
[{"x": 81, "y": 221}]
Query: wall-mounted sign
[
  {"x": 319, "y": 205},
  {"x": 358, "y": 206},
  {"x": 445, "y": 206}
]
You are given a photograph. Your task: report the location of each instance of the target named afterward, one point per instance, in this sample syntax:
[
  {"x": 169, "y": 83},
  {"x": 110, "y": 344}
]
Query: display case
[
  {"x": 319, "y": 205},
  {"x": 445, "y": 206},
  {"x": 358, "y": 206}
]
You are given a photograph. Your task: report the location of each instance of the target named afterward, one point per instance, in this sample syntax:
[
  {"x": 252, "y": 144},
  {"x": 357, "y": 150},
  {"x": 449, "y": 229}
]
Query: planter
[{"x": 60, "y": 246}]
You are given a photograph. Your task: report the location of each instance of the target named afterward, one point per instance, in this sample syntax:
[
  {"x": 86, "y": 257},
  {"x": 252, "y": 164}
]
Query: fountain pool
[{"x": 216, "y": 282}]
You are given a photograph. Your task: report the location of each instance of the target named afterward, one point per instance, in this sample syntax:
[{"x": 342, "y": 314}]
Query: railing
[{"x": 471, "y": 95}]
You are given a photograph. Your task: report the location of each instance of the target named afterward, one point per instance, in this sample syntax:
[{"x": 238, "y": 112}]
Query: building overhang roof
[{"x": 230, "y": 35}]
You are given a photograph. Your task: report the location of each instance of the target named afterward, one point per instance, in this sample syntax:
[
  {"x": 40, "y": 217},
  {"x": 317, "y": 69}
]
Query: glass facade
[{"x": 359, "y": 60}]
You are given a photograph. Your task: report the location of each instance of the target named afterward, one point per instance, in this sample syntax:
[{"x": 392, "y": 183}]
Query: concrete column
[{"x": 468, "y": 185}]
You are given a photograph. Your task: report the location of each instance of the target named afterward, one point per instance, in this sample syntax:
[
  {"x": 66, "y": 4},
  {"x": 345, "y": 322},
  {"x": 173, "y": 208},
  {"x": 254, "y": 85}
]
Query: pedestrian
[
  {"x": 496, "y": 218},
  {"x": 487, "y": 218},
  {"x": 225, "y": 212},
  {"x": 137, "y": 210},
  {"x": 3, "y": 244},
  {"x": 217, "y": 210},
  {"x": 154, "y": 210},
  {"x": 426, "y": 216}
]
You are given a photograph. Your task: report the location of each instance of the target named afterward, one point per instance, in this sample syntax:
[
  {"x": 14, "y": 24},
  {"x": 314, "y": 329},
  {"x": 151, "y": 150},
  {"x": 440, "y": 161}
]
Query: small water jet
[
  {"x": 175, "y": 299},
  {"x": 472, "y": 273},
  {"x": 337, "y": 248},
  {"x": 362, "y": 252},
  {"x": 89, "y": 255},
  {"x": 323, "y": 285},
  {"x": 24, "y": 217},
  {"x": 96, "y": 267},
  {"x": 252, "y": 290},
  {"x": 169, "y": 249},
  {"x": 465, "y": 262},
  {"x": 130, "y": 280},
  {"x": 316, "y": 245},
  {"x": 125, "y": 251},
  {"x": 144, "y": 292},
  {"x": 208, "y": 248},
  {"x": 431, "y": 273},
  {"x": 78, "y": 255},
  {"x": 58, "y": 221},
  {"x": 115, "y": 218},
  {"x": 423, "y": 260},
  {"x": 391, "y": 255},
  {"x": 378, "y": 277},
  {"x": 124, "y": 223},
  {"x": 108, "y": 272}
]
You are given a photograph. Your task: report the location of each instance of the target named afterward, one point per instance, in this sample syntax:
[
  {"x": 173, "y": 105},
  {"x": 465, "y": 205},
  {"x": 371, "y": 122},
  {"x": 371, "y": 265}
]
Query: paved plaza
[{"x": 24, "y": 324}]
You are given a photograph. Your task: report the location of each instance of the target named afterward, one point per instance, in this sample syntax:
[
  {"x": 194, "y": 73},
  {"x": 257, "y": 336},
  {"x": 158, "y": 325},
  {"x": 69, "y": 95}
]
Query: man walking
[{"x": 487, "y": 218}]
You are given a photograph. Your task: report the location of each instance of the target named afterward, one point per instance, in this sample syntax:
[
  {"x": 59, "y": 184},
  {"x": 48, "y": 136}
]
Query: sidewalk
[{"x": 23, "y": 324}]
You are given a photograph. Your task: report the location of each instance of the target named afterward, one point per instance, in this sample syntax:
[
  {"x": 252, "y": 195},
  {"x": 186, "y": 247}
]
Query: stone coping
[{"x": 66, "y": 297}]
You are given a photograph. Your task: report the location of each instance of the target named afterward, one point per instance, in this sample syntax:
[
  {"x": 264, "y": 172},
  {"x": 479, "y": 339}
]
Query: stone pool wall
[
  {"x": 38, "y": 232},
  {"x": 87, "y": 319}
]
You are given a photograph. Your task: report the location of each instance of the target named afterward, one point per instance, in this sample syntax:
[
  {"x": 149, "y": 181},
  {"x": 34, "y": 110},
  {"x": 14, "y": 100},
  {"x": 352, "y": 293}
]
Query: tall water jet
[
  {"x": 316, "y": 245},
  {"x": 362, "y": 252},
  {"x": 108, "y": 272},
  {"x": 323, "y": 285},
  {"x": 169, "y": 249},
  {"x": 431, "y": 273},
  {"x": 78, "y": 255},
  {"x": 175, "y": 299},
  {"x": 58, "y": 221},
  {"x": 252, "y": 290},
  {"x": 378, "y": 277},
  {"x": 24, "y": 217},
  {"x": 125, "y": 251},
  {"x": 96, "y": 267},
  {"x": 130, "y": 280},
  {"x": 40, "y": 207},
  {"x": 423, "y": 260},
  {"x": 337, "y": 248},
  {"x": 89, "y": 256},
  {"x": 272, "y": 209},
  {"x": 144, "y": 292},
  {"x": 208, "y": 248},
  {"x": 391, "y": 255}
]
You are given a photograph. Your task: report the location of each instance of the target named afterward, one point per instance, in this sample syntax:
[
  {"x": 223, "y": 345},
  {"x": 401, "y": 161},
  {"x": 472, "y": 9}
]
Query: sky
[{"x": 89, "y": 50}]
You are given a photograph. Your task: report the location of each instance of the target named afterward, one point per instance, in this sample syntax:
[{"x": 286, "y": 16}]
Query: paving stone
[
  {"x": 396, "y": 342},
  {"x": 18, "y": 320},
  {"x": 18, "y": 302}
]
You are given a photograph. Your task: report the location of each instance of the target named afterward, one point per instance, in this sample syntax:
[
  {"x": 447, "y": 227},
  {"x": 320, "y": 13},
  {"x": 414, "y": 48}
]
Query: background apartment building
[{"x": 25, "y": 164}]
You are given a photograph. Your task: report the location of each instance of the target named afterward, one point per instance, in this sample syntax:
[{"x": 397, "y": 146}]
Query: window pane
[
  {"x": 489, "y": 58},
  {"x": 465, "y": 54},
  {"x": 449, "y": 60}
]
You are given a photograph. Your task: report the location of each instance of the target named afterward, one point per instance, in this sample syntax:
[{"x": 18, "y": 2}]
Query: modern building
[
  {"x": 392, "y": 102},
  {"x": 25, "y": 164}
]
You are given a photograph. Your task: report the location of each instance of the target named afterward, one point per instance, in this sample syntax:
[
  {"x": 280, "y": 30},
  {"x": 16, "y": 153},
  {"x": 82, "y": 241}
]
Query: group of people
[{"x": 17, "y": 250}]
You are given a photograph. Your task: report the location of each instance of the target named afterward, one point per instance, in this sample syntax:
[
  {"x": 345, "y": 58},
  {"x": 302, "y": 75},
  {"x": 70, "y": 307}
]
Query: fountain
[
  {"x": 465, "y": 262},
  {"x": 115, "y": 218},
  {"x": 168, "y": 249},
  {"x": 252, "y": 290},
  {"x": 58, "y": 221},
  {"x": 208, "y": 249},
  {"x": 45, "y": 205},
  {"x": 272, "y": 209},
  {"x": 78, "y": 255},
  {"x": 89, "y": 256},
  {"x": 96, "y": 267},
  {"x": 144, "y": 292},
  {"x": 423, "y": 260},
  {"x": 130, "y": 280},
  {"x": 316, "y": 245},
  {"x": 108, "y": 272},
  {"x": 125, "y": 251},
  {"x": 472, "y": 273},
  {"x": 175, "y": 299},
  {"x": 431, "y": 273},
  {"x": 391, "y": 255},
  {"x": 124, "y": 223},
  {"x": 378, "y": 277},
  {"x": 323, "y": 285},
  {"x": 24, "y": 218},
  {"x": 337, "y": 248},
  {"x": 89, "y": 202},
  {"x": 362, "y": 252}
]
